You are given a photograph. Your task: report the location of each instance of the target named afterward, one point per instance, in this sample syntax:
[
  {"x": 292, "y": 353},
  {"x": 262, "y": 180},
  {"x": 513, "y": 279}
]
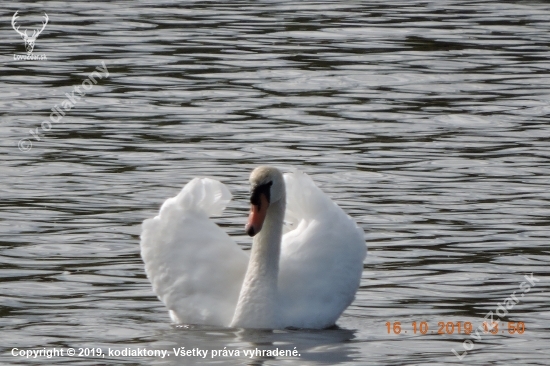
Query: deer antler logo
[{"x": 29, "y": 41}]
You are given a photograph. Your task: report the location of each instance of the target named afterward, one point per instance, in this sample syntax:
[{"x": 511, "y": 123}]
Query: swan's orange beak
[{"x": 257, "y": 216}]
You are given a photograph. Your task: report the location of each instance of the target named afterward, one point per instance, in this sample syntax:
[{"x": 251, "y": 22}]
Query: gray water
[{"x": 427, "y": 121}]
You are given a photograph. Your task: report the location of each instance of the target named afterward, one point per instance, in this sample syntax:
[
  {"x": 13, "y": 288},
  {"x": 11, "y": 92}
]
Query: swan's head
[{"x": 266, "y": 187}]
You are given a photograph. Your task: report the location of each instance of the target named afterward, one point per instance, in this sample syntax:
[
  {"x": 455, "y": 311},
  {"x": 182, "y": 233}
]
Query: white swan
[{"x": 304, "y": 279}]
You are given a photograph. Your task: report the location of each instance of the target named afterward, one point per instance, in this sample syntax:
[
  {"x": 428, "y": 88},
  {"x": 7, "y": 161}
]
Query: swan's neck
[{"x": 258, "y": 300}]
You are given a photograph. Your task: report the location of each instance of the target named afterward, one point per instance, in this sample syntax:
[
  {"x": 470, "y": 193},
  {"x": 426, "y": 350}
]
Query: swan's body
[{"x": 305, "y": 278}]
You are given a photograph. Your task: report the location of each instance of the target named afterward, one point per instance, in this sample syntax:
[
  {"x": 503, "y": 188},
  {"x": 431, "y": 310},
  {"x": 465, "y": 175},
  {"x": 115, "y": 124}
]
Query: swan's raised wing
[
  {"x": 321, "y": 256},
  {"x": 196, "y": 269}
]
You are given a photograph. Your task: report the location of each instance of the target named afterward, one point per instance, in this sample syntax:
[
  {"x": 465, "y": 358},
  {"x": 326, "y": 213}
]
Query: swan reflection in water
[
  {"x": 329, "y": 346},
  {"x": 323, "y": 346},
  {"x": 302, "y": 278}
]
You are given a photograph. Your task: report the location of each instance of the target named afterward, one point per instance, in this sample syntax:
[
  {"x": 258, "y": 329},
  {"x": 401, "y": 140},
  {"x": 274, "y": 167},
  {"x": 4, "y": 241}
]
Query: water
[{"x": 426, "y": 121}]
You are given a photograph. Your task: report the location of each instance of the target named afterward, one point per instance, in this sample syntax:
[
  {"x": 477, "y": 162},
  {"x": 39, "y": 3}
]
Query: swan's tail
[{"x": 201, "y": 194}]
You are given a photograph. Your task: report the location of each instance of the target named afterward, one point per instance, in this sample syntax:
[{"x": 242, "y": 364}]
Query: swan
[{"x": 303, "y": 270}]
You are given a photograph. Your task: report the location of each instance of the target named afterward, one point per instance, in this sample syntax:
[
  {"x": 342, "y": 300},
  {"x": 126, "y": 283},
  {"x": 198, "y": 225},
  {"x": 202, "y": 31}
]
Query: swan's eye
[{"x": 264, "y": 189}]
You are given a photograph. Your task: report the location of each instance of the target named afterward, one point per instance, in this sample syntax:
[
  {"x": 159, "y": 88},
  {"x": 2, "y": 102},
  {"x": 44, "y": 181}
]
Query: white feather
[
  {"x": 197, "y": 270},
  {"x": 321, "y": 259}
]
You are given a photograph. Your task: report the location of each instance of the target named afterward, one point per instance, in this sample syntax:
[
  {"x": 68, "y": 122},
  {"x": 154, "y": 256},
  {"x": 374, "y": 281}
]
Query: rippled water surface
[{"x": 427, "y": 121}]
